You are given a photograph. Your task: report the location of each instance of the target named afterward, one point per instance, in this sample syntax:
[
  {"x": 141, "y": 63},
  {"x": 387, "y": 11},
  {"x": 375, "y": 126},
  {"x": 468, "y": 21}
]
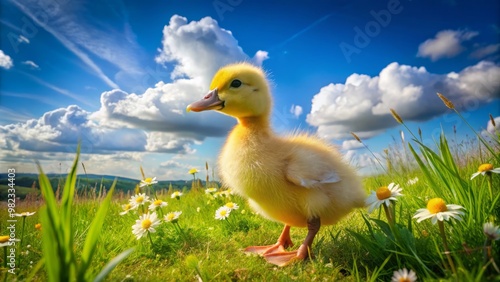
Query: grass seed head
[
  {"x": 445, "y": 100},
  {"x": 396, "y": 116},
  {"x": 493, "y": 121},
  {"x": 356, "y": 137}
]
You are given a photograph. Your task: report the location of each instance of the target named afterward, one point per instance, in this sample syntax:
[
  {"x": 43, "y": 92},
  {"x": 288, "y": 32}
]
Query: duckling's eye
[{"x": 236, "y": 83}]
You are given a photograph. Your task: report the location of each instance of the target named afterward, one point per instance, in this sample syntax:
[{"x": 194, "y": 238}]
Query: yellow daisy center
[
  {"x": 127, "y": 207},
  {"x": 485, "y": 167},
  {"x": 146, "y": 223},
  {"x": 139, "y": 199},
  {"x": 436, "y": 205},
  {"x": 170, "y": 216},
  {"x": 230, "y": 205},
  {"x": 148, "y": 180},
  {"x": 157, "y": 202},
  {"x": 383, "y": 193},
  {"x": 4, "y": 239},
  {"x": 404, "y": 279},
  {"x": 223, "y": 213}
]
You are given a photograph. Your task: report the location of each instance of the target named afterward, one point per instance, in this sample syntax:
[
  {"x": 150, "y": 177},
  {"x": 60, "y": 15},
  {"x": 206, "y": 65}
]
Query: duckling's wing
[{"x": 310, "y": 169}]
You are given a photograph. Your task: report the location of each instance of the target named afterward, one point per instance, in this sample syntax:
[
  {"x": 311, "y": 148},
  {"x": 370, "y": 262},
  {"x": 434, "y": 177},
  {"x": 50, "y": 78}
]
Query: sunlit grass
[{"x": 198, "y": 245}]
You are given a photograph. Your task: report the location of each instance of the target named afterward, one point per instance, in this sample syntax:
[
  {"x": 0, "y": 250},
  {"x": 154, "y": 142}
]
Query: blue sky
[{"x": 118, "y": 75}]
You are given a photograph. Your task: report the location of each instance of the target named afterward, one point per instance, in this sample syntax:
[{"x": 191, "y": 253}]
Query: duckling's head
[{"x": 239, "y": 90}]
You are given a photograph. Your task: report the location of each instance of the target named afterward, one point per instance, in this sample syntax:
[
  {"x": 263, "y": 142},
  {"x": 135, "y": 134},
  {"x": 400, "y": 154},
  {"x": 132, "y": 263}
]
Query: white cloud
[
  {"x": 59, "y": 130},
  {"x": 199, "y": 48},
  {"x": 446, "y": 44},
  {"x": 153, "y": 121},
  {"x": 143, "y": 123},
  {"x": 362, "y": 103},
  {"x": 351, "y": 145},
  {"x": 365, "y": 163},
  {"x": 31, "y": 64},
  {"x": 5, "y": 60},
  {"x": 296, "y": 110},
  {"x": 485, "y": 51}
]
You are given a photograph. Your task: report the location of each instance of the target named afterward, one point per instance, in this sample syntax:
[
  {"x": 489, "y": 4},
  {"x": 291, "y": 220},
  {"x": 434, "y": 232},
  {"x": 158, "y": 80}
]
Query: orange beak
[{"x": 211, "y": 101}]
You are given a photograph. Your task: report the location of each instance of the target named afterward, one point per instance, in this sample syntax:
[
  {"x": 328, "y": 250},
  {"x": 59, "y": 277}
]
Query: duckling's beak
[{"x": 211, "y": 101}]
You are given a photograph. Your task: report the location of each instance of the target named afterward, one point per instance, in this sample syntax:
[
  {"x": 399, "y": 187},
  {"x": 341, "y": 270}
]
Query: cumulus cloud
[
  {"x": 351, "y": 145},
  {"x": 362, "y": 103},
  {"x": 446, "y": 44},
  {"x": 485, "y": 51},
  {"x": 296, "y": 110},
  {"x": 31, "y": 65},
  {"x": 59, "y": 130},
  {"x": 199, "y": 48},
  {"x": 5, "y": 60},
  {"x": 152, "y": 121}
]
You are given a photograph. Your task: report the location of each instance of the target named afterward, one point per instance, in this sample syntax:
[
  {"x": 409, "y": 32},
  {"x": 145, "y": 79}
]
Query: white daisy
[
  {"x": 128, "y": 207},
  {"x": 437, "y": 209},
  {"x": 172, "y": 216},
  {"x": 383, "y": 195},
  {"x": 157, "y": 204},
  {"x": 24, "y": 214},
  {"x": 232, "y": 206},
  {"x": 139, "y": 199},
  {"x": 210, "y": 190},
  {"x": 146, "y": 223},
  {"x": 412, "y": 181},
  {"x": 148, "y": 181},
  {"x": 491, "y": 231},
  {"x": 403, "y": 275},
  {"x": 222, "y": 213},
  {"x": 176, "y": 194},
  {"x": 485, "y": 169}
]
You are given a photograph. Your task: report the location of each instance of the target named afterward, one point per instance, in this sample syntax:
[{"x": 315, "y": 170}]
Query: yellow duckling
[{"x": 298, "y": 180}]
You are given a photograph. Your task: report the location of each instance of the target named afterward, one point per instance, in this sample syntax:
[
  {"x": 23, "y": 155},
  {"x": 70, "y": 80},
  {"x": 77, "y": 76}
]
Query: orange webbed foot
[
  {"x": 283, "y": 243},
  {"x": 286, "y": 258}
]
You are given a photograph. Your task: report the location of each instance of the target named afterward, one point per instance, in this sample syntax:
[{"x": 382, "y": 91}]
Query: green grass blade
[
  {"x": 94, "y": 232},
  {"x": 50, "y": 247},
  {"x": 50, "y": 199},
  {"x": 112, "y": 264},
  {"x": 67, "y": 203},
  {"x": 422, "y": 166}
]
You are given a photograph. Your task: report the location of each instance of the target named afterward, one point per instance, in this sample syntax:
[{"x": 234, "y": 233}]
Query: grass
[{"x": 197, "y": 247}]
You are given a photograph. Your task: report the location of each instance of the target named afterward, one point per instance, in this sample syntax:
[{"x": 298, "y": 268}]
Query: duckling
[{"x": 299, "y": 180}]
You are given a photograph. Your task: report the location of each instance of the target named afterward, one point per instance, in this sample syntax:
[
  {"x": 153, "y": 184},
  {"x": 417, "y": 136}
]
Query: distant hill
[{"x": 88, "y": 181}]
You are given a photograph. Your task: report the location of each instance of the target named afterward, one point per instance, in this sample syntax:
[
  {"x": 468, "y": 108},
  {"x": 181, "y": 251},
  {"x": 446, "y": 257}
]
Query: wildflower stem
[
  {"x": 487, "y": 250},
  {"x": 388, "y": 214},
  {"x": 445, "y": 245},
  {"x": 5, "y": 261},
  {"x": 490, "y": 182},
  {"x": 375, "y": 158},
  {"x": 150, "y": 239},
  {"x": 22, "y": 240}
]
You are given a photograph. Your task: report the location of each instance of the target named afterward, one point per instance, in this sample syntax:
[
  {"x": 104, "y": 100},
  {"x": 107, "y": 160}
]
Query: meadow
[{"x": 88, "y": 237}]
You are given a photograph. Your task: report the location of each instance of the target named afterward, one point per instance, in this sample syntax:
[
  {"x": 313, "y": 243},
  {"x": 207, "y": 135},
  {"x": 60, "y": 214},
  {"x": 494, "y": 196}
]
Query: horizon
[{"x": 117, "y": 76}]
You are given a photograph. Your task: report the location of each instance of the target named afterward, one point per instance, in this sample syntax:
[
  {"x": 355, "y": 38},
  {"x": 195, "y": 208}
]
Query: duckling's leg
[
  {"x": 284, "y": 242},
  {"x": 285, "y": 258}
]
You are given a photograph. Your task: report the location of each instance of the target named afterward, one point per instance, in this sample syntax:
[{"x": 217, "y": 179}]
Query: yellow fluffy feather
[{"x": 298, "y": 180}]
